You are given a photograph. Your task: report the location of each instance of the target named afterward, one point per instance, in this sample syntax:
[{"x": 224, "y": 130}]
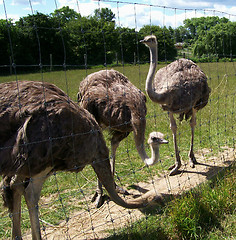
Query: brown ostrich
[
  {"x": 42, "y": 132},
  {"x": 180, "y": 87},
  {"x": 119, "y": 107}
]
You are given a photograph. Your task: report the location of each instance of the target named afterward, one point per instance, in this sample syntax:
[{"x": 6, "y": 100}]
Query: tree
[
  {"x": 181, "y": 34},
  {"x": 198, "y": 26},
  {"x": 39, "y": 36},
  {"x": 219, "y": 40},
  {"x": 69, "y": 37},
  {"x": 102, "y": 37},
  {"x": 104, "y": 15},
  {"x": 6, "y": 28},
  {"x": 65, "y": 15},
  {"x": 126, "y": 44},
  {"x": 94, "y": 36}
]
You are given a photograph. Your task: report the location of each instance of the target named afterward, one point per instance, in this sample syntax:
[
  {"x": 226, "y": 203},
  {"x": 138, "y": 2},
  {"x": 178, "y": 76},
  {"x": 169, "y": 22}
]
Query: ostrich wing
[
  {"x": 112, "y": 99},
  {"x": 184, "y": 85}
]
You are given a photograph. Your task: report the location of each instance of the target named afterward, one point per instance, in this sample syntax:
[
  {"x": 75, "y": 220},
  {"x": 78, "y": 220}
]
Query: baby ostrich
[
  {"x": 120, "y": 107},
  {"x": 42, "y": 132},
  {"x": 180, "y": 87}
]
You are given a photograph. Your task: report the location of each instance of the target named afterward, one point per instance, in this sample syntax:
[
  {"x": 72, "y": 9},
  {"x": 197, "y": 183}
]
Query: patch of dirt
[{"x": 95, "y": 223}]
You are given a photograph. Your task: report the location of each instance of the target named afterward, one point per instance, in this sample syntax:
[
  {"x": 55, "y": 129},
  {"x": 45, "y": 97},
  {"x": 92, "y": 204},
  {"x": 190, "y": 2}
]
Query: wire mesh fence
[{"x": 63, "y": 48}]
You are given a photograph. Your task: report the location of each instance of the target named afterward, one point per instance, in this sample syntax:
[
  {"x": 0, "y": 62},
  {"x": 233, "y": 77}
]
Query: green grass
[
  {"x": 215, "y": 129},
  {"x": 207, "y": 212}
]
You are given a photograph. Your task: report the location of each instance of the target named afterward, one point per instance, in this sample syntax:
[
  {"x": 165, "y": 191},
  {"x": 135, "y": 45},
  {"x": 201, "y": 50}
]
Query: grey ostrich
[
  {"x": 180, "y": 87},
  {"x": 42, "y": 131},
  {"x": 120, "y": 107}
]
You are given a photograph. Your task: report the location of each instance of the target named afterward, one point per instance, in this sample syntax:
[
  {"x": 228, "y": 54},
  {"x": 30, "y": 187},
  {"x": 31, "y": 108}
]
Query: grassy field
[
  {"x": 207, "y": 212},
  {"x": 215, "y": 129}
]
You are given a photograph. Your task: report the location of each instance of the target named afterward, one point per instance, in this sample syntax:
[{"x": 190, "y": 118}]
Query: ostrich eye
[{"x": 154, "y": 138}]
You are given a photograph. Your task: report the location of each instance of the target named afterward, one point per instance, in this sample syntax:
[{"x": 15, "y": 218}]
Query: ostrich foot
[
  {"x": 174, "y": 168},
  {"x": 121, "y": 190},
  {"x": 98, "y": 199},
  {"x": 192, "y": 160}
]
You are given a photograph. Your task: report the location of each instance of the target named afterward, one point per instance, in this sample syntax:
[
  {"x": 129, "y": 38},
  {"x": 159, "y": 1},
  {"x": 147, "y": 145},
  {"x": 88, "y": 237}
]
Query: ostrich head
[
  {"x": 154, "y": 141},
  {"x": 156, "y": 138},
  {"x": 150, "y": 41}
]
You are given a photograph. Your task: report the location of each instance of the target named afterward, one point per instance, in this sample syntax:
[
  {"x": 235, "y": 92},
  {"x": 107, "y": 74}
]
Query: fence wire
[{"x": 65, "y": 207}]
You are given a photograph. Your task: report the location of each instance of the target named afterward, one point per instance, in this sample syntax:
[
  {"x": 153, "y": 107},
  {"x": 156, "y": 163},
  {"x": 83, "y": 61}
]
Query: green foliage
[
  {"x": 189, "y": 217},
  {"x": 212, "y": 36},
  {"x": 182, "y": 34},
  {"x": 37, "y": 38},
  {"x": 6, "y": 28},
  {"x": 65, "y": 15},
  {"x": 197, "y": 26},
  {"x": 195, "y": 214},
  {"x": 219, "y": 40},
  {"x": 75, "y": 40},
  {"x": 207, "y": 212},
  {"x": 105, "y": 15}
]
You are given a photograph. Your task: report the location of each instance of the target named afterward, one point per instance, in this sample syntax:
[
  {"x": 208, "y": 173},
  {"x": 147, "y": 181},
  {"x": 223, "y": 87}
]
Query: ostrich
[
  {"x": 180, "y": 87},
  {"x": 120, "y": 107},
  {"x": 42, "y": 132}
]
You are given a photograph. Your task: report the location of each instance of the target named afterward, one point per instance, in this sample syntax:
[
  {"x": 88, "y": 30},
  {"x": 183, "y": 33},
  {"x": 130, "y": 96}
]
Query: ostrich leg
[
  {"x": 117, "y": 137},
  {"x": 97, "y": 197},
  {"x": 174, "y": 168},
  {"x": 17, "y": 191},
  {"x": 192, "y": 158},
  {"x": 32, "y": 195},
  {"x": 115, "y": 141},
  {"x": 12, "y": 192}
]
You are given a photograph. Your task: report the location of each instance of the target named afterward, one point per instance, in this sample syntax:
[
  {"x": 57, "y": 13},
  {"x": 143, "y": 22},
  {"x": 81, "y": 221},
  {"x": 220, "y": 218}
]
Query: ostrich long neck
[
  {"x": 154, "y": 96},
  {"x": 154, "y": 154}
]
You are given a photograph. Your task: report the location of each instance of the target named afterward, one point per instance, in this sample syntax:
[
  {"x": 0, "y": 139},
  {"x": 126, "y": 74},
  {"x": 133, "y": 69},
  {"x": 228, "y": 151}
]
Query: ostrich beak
[
  {"x": 163, "y": 141},
  {"x": 141, "y": 41},
  {"x": 157, "y": 140}
]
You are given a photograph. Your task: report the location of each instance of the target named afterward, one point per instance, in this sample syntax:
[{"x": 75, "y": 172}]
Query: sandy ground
[{"x": 95, "y": 223}]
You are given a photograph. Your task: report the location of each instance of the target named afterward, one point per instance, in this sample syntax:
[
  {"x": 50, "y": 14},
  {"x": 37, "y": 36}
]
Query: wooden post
[
  {"x": 50, "y": 62},
  {"x": 116, "y": 58},
  {"x": 85, "y": 60},
  {"x": 10, "y": 65}
]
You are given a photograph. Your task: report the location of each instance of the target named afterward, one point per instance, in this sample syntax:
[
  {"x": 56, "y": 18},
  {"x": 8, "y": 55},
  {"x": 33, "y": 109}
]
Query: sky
[{"x": 128, "y": 13}]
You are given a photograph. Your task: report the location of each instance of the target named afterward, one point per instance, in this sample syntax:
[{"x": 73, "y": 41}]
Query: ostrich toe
[
  {"x": 192, "y": 162},
  {"x": 174, "y": 168},
  {"x": 192, "y": 159},
  {"x": 121, "y": 190},
  {"x": 98, "y": 199}
]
